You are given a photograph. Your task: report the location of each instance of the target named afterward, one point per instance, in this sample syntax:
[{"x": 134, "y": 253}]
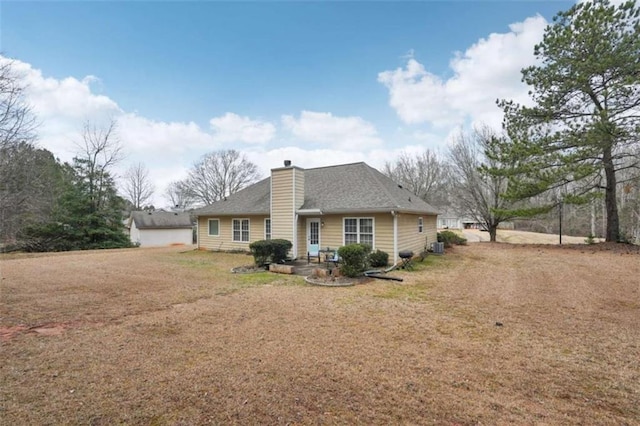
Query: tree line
[
  {"x": 574, "y": 145},
  {"x": 49, "y": 205}
]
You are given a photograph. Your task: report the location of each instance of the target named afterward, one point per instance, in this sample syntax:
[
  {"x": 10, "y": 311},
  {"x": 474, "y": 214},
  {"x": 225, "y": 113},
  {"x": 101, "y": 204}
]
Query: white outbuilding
[{"x": 160, "y": 228}]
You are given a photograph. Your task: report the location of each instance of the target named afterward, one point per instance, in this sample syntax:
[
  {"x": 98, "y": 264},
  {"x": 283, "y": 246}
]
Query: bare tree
[
  {"x": 137, "y": 187},
  {"x": 17, "y": 121},
  {"x": 179, "y": 196},
  {"x": 424, "y": 174},
  {"x": 477, "y": 192},
  {"x": 30, "y": 182},
  {"x": 99, "y": 151},
  {"x": 220, "y": 174},
  {"x": 28, "y": 176}
]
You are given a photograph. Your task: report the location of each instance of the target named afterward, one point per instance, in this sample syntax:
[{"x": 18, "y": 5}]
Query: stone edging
[{"x": 310, "y": 280}]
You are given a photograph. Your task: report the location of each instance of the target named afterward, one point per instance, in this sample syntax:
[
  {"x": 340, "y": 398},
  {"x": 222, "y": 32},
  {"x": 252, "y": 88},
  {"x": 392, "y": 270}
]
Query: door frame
[{"x": 311, "y": 220}]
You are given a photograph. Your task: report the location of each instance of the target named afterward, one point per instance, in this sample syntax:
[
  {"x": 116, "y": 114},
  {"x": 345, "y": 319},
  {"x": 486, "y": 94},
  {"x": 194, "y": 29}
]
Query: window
[
  {"x": 420, "y": 225},
  {"x": 214, "y": 227},
  {"x": 358, "y": 230},
  {"x": 350, "y": 231},
  {"x": 267, "y": 229},
  {"x": 241, "y": 230}
]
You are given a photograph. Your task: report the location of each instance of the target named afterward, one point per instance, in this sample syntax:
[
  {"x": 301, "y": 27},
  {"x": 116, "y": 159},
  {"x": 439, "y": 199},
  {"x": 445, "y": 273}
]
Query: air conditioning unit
[{"x": 438, "y": 248}]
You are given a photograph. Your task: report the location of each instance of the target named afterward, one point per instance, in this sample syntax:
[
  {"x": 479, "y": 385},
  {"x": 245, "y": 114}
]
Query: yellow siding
[
  {"x": 225, "y": 240},
  {"x": 301, "y": 250},
  {"x": 384, "y": 233},
  {"x": 299, "y": 187},
  {"x": 408, "y": 236},
  {"x": 332, "y": 232},
  {"x": 282, "y": 209}
]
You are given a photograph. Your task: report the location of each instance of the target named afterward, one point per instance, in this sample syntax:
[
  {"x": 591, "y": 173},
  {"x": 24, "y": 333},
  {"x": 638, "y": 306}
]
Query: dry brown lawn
[{"x": 160, "y": 336}]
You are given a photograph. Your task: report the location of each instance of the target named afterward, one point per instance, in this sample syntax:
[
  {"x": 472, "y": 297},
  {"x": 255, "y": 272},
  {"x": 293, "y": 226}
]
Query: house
[
  {"x": 160, "y": 228},
  {"x": 453, "y": 220},
  {"x": 318, "y": 208}
]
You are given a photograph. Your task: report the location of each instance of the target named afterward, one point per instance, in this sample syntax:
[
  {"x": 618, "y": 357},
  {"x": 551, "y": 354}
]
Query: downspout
[
  {"x": 395, "y": 236},
  {"x": 295, "y": 237},
  {"x": 197, "y": 233},
  {"x": 294, "y": 240}
]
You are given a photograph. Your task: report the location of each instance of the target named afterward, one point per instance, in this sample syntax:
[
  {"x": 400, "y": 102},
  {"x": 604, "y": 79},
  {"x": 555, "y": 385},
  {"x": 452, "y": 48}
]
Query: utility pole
[{"x": 560, "y": 219}]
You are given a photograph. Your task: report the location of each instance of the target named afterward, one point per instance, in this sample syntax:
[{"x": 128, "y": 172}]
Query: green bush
[
  {"x": 354, "y": 259},
  {"x": 450, "y": 238},
  {"x": 270, "y": 251},
  {"x": 378, "y": 258},
  {"x": 279, "y": 250},
  {"x": 261, "y": 251}
]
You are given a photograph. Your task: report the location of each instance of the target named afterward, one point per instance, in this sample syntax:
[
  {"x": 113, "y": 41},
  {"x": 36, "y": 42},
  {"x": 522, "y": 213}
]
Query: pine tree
[{"x": 585, "y": 119}]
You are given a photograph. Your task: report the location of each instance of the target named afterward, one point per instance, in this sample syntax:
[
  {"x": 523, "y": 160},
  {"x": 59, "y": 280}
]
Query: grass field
[{"x": 487, "y": 334}]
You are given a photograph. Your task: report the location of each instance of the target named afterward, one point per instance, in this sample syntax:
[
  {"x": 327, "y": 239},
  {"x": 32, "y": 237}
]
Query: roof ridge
[
  {"x": 375, "y": 174},
  {"x": 337, "y": 165}
]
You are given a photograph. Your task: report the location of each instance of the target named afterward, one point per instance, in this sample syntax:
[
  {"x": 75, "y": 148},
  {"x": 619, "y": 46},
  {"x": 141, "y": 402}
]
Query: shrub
[
  {"x": 450, "y": 238},
  {"x": 354, "y": 259},
  {"x": 378, "y": 258},
  {"x": 53, "y": 236},
  {"x": 590, "y": 239},
  {"x": 261, "y": 251},
  {"x": 279, "y": 250},
  {"x": 270, "y": 251}
]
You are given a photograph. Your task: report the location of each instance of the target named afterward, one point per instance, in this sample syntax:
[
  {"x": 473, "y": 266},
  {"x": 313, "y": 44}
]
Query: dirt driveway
[
  {"x": 520, "y": 237},
  {"x": 487, "y": 334},
  {"x": 475, "y": 236}
]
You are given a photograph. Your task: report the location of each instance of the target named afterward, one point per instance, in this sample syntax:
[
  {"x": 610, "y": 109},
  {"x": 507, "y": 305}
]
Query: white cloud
[
  {"x": 418, "y": 96},
  {"x": 234, "y": 128},
  {"x": 323, "y": 128},
  {"x": 63, "y": 106},
  {"x": 69, "y": 97},
  {"x": 486, "y": 71},
  {"x": 162, "y": 139}
]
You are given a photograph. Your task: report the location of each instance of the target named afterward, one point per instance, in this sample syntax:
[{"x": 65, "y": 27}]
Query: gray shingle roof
[
  {"x": 161, "y": 219},
  {"x": 345, "y": 188},
  {"x": 254, "y": 199}
]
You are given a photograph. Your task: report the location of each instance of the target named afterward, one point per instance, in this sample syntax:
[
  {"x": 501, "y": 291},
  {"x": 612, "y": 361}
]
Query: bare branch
[
  {"x": 220, "y": 174},
  {"x": 136, "y": 186}
]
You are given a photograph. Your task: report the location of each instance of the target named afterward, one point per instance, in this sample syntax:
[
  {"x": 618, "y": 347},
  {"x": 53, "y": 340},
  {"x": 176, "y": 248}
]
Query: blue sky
[{"x": 317, "y": 83}]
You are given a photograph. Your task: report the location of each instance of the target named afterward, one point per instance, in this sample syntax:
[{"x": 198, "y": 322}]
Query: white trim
[
  {"x": 271, "y": 198},
  {"x": 248, "y": 230},
  {"x": 309, "y": 212},
  {"x": 265, "y": 228},
  {"x": 294, "y": 215},
  {"x": 420, "y": 225},
  {"x": 209, "y": 227},
  {"x": 308, "y": 226},
  {"x": 358, "y": 218}
]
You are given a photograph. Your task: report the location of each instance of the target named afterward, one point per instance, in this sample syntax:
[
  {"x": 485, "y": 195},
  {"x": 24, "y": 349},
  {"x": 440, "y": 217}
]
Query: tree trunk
[
  {"x": 613, "y": 222},
  {"x": 493, "y": 232}
]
